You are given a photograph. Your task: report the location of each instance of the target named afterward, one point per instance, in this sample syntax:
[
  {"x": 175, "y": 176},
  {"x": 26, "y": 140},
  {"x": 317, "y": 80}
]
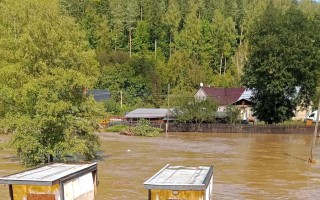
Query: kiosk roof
[
  {"x": 181, "y": 178},
  {"x": 49, "y": 174}
]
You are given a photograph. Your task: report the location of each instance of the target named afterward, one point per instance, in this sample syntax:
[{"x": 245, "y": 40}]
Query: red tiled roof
[{"x": 224, "y": 96}]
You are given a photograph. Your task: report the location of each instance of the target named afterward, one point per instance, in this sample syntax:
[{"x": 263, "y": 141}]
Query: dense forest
[
  {"x": 151, "y": 49},
  {"x": 147, "y": 53},
  {"x": 147, "y": 50}
]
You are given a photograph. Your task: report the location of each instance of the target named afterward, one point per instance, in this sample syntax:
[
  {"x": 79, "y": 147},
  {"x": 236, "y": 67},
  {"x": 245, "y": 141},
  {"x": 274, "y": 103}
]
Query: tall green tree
[
  {"x": 225, "y": 34},
  {"x": 283, "y": 65},
  {"x": 172, "y": 19},
  {"x": 117, "y": 23},
  {"x": 184, "y": 74},
  {"x": 190, "y": 37},
  {"x": 49, "y": 64},
  {"x": 142, "y": 37},
  {"x": 192, "y": 110}
]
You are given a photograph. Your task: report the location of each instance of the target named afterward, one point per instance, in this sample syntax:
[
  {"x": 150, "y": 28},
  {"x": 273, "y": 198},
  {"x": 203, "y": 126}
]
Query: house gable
[
  {"x": 223, "y": 96},
  {"x": 201, "y": 94}
]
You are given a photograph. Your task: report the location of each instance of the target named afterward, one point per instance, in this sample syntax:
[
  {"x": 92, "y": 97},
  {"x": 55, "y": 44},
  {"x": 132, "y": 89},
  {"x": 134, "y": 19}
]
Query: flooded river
[{"x": 246, "y": 166}]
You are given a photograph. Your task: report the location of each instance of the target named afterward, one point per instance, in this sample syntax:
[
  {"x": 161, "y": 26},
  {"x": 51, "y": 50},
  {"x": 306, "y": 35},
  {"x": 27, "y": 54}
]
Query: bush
[{"x": 143, "y": 129}]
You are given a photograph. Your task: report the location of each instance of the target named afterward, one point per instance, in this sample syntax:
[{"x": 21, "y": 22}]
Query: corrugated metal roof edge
[
  {"x": 205, "y": 183},
  {"x": 4, "y": 180}
]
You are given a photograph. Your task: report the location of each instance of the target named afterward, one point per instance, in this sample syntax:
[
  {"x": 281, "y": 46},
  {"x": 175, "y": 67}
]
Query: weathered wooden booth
[
  {"x": 181, "y": 183},
  {"x": 56, "y": 181}
]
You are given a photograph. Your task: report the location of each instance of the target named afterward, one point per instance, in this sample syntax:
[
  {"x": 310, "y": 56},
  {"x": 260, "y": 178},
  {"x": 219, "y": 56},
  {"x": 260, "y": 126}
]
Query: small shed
[
  {"x": 181, "y": 183},
  {"x": 154, "y": 115},
  {"x": 99, "y": 94},
  {"x": 58, "y": 181}
]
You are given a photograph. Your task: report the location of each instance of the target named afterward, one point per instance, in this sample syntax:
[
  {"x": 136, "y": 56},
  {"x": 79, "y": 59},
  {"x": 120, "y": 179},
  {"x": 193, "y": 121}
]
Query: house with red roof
[
  {"x": 229, "y": 96},
  {"x": 241, "y": 98}
]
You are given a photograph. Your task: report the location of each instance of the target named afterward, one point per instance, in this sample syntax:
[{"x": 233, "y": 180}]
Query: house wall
[
  {"x": 29, "y": 192},
  {"x": 302, "y": 113},
  {"x": 246, "y": 113},
  {"x": 182, "y": 195}
]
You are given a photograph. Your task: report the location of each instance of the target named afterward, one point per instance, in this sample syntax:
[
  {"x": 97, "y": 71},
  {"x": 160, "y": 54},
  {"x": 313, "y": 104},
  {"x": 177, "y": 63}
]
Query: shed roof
[
  {"x": 224, "y": 96},
  {"x": 49, "y": 174},
  {"x": 181, "y": 178},
  {"x": 149, "y": 113},
  {"x": 99, "y": 94}
]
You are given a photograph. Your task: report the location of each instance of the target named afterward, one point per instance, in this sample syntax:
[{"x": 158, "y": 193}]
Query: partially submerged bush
[{"x": 143, "y": 129}]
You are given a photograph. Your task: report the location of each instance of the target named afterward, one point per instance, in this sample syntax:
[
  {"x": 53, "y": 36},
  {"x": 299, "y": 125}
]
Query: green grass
[{"x": 116, "y": 128}]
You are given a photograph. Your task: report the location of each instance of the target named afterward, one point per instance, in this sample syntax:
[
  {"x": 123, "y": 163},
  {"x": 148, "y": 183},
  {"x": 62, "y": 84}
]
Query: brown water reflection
[{"x": 247, "y": 166}]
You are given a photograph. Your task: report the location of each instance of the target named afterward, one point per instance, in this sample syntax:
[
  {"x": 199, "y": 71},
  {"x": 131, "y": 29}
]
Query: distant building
[
  {"x": 223, "y": 96},
  {"x": 154, "y": 115},
  {"x": 99, "y": 94},
  {"x": 240, "y": 97},
  {"x": 228, "y": 96}
]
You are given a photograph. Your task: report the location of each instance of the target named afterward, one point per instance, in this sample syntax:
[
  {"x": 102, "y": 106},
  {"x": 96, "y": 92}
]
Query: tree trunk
[
  {"x": 241, "y": 35},
  {"x": 140, "y": 11},
  {"x": 130, "y": 40},
  {"x": 115, "y": 44},
  {"x": 221, "y": 59},
  {"x": 155, "y": 48},
  {"x": 225, "y": 66},
  {"x": 170, "y": 50}
]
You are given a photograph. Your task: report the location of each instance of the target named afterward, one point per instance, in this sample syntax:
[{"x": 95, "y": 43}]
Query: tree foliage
[
  {"x": 195, "y": 111},
  {"x": 233, "y": 113},
  {"x": 190, "y": 41},
  {"x": 143, "y": 128},
  {"x": 49, "y": 64},
  {"x": 283, "y": 65}
]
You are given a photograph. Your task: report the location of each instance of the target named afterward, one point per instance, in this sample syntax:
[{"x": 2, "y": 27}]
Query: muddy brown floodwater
[{"x": 246, "y": 166}]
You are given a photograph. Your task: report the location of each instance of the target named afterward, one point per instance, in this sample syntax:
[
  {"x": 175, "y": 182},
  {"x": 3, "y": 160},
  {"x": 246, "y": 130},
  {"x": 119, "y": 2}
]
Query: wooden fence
[
  {"x": 234, "y": 128},
  {"x": 241, "y": 128}
]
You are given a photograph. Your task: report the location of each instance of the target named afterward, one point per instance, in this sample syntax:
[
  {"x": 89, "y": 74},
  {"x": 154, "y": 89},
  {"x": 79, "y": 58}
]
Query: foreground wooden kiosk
[
  {"x": 58, "y": 181},
  {"x": 179, "y": 182}
]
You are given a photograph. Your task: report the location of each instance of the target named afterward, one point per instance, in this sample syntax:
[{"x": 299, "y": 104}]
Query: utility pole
[
  {"x": 167, "y": 124},
  {"x": 155, "y": 48},
  {"x": 310, "y": 160},
  {"x": 120, "y": 98},
  {"x": 168, "y": 95},
  {"x": 130, "y": 41}
]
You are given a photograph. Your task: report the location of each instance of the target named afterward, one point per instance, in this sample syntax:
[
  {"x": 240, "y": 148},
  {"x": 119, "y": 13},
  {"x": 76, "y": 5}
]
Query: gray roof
[
  {"x": 246, "y": 95},
  {"x": 181, "y": 178},
  {"x": 49, "y": 174},
  {"x": 100, "y": 95},
  {"x": 149, "y": 113}
]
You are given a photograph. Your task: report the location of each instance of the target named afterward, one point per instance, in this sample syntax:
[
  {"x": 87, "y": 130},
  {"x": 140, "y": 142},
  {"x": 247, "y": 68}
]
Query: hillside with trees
[{"x": 147, "y": 49}]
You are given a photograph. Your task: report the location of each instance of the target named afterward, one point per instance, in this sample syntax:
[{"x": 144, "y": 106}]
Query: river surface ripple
[{"x": 246, "y": 166}]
